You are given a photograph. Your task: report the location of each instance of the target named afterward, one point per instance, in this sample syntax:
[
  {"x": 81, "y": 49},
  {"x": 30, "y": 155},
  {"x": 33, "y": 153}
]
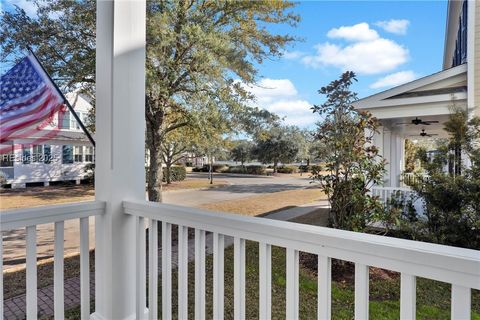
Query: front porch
[
  {"x": 128, "y": 283},
  {"x": 416, "y": 110}
]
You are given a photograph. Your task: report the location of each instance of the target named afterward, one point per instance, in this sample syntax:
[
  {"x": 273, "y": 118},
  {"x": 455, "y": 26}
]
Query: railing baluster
[
  {"x": 408, "y": 296},
  {"x": 153, "y": 269},
  {"x": 84, "y": 270},
  {"x": 461, "y": 302},
  {"x": 239, "y": 278},
  {"x": 324, "y": 288},
  {"x": 199, "y": 274},
  {"x": 361, "y": 291},
  {"x": 292, "y": 284},
  {"x": 58, "y": 279},
  {"x": 265, "y": 285},
  {"x": 31, "y": 272},
  {"x": 218, "y": 276},
  {"x": 182, "y": 272},
  {"x": 141, "y": 270},
  {"x": 166, "y": 270}
]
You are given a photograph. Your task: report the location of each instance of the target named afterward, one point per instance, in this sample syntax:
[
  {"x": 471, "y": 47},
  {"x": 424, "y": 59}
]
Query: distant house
[{"x": 61, "y": 158}]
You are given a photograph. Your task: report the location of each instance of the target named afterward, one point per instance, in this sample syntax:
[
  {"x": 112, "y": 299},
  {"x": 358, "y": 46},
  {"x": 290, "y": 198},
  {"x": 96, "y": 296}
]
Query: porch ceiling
[{"x": 405, "y": 128}]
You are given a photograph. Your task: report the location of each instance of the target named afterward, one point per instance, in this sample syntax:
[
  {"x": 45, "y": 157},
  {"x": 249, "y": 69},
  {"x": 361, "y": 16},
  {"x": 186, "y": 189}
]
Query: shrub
[
  {"x": 237, "y": 169},
  {"x": 3, "y": 178},
  {"x": 177, "y": 173},
  {"x": 260, "y": 170},
  {"x": 287, "y": 169},
  {"x": 215, "y": 168},
  {"x": 90, "y": 172},
  {"x": 255, "y": 169},
  {"x": 309, "y": 168}
]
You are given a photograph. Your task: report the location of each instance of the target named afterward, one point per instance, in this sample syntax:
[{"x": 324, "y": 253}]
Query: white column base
[
  {"x": 46, "y": 183},
  {"x": 19, "y": 185}
]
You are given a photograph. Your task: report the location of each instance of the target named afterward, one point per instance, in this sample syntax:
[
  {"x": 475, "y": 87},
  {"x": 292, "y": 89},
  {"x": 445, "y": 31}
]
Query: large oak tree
[{"x": 198, "y": 53}]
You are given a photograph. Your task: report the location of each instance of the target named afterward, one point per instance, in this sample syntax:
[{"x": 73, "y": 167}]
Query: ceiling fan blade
[
  {"x": 425, "y": 123},
  {"x": 403, "y": 123},
  {"x": 431, "y": 121}
]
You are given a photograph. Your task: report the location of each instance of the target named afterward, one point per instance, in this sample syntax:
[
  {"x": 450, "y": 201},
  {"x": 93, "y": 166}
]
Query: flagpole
[{"x": 65, "y": 101}]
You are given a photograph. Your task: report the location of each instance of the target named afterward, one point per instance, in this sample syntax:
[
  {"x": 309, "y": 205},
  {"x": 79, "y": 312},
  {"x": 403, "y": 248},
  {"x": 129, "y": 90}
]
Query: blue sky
[{"x": 386, "y": 43}]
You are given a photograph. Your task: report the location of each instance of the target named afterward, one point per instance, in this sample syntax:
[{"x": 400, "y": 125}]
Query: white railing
[
  {"x": 411, "y": 178},
  {"x": 457, "y": 266},
  {"x": 57, "y": 214},
  {"x": 385, "y": 194}
]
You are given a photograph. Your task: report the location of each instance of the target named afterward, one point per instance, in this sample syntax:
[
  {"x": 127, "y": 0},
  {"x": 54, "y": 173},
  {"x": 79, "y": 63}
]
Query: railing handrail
[
  {"x": 19, "y": 218},
  {"x": 392, "y": 188},
  {"x": 438, "y": 262}
]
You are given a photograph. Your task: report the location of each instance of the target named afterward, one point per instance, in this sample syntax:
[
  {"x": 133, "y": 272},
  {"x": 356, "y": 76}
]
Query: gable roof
[{"x": 437, "y": 86}]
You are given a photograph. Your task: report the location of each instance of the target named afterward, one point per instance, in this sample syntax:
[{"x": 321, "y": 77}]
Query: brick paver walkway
[{"x": 14, "y": 308}]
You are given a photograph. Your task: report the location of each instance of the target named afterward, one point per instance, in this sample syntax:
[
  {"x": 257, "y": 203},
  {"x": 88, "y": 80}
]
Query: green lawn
[{"x": 433, "y": 298}]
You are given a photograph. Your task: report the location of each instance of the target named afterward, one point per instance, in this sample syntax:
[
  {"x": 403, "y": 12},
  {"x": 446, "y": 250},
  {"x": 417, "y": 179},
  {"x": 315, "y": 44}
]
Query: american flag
[{"x": 28, "y": 103}]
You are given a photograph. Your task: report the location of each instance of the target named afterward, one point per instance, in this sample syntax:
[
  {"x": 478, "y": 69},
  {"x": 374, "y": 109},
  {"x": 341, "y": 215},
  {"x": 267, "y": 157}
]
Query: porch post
[{"x": 120, "y": 164}]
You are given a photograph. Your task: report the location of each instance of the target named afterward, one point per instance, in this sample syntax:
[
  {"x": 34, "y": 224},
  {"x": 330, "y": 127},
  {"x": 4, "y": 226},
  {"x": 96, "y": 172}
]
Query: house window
[
  {"x": 47, "y": 154},
  {"x": 6, "y": 159},
  {"x": 88, "y": 154},
  {"x": 26, "y": 154},
  {"x": 74, "y": 123},
  {"x": 65, "y": 124},
  {"x": 460, "y": 53},
  {"x": 78, "y": 153},
  {"x": 37, "y": 154},
  {"x": 67, "y": 154}
]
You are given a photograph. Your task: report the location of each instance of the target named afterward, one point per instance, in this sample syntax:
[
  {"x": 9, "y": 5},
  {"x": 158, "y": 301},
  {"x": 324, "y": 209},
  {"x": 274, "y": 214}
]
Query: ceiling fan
[
  {"x": 418, "y": 121},
  {"x": 424, "y": 134}
]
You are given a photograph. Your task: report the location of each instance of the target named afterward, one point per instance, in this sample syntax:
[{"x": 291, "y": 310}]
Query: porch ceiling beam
[{"x": 431, "y": 109}]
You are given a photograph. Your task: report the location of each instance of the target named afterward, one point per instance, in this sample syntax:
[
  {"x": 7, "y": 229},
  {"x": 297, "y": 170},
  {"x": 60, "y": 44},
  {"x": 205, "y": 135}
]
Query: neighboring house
[
  {"x": 61, "y": 158},
  {"x": 424, "y": 105}
]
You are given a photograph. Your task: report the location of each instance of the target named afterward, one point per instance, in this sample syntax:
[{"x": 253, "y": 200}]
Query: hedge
[
  {"x": 259, "y": 170},
  {"x": 177, "y": 173},
  {"x": 215, "y": 168},
  {"x": 287, "y": 169}
]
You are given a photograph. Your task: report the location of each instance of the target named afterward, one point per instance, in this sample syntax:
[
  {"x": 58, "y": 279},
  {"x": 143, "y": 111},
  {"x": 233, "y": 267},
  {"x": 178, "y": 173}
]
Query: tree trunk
[
  {"x": 168, "y": 176},
  {"x": 155, "y": 172},
  {"x": 210, "y": 174},
  {"x": 275, "y": 164},
  {"x": 308, "y": 162}
]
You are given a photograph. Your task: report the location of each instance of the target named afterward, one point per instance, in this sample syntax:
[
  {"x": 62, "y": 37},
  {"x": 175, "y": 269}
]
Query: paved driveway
[{"x": 240, "y": 186}]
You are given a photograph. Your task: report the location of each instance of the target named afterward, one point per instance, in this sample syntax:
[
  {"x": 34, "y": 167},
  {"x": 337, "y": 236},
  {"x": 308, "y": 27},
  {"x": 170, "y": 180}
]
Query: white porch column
[
  {"x": 396, "y": 159},
  {"x": 387, "y": 155},
  {"x": 391, "y": 147},
  {"x": 120, "y": 129}
]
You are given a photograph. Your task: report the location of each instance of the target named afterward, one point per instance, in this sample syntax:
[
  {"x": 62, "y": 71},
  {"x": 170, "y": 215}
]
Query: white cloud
[
  {"x": 29, "y": 6},
  {"x": 281, "y": 97},
  {"x": 399, "y": 26},
  {"x": 292, "y": 55},
  {"x": 369, "y": 54},
  {"x": 394, "y": 79},
  {"x": 358, "y": 32}
]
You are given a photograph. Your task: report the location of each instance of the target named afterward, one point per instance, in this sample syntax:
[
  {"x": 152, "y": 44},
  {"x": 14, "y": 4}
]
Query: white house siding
[
  {"x": 42, "y": 172},
  {"x": 34, "y": 172}
]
